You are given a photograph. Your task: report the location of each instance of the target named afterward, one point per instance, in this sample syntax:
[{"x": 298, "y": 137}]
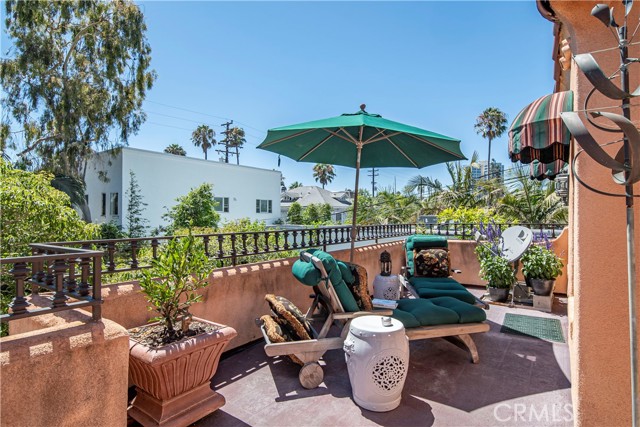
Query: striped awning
[{"x": 538, "y": 135}]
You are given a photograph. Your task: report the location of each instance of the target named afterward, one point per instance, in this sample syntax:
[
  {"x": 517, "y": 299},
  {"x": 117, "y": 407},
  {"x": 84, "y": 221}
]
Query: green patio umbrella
[{"x": 362, "y": 140}]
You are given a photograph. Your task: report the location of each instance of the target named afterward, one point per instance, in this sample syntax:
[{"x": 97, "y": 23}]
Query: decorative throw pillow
[
  {"x": 289, "y": 317},
  {"x": 277, "y": 335},
  {"x": 359, "y": 286},
  {"x": 431, "y": 263}
]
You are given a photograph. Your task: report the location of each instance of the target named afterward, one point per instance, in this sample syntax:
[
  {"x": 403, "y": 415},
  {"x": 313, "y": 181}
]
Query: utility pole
[
  {"x": 373, "y": 173},
  {"x": 225, "y": 142}
]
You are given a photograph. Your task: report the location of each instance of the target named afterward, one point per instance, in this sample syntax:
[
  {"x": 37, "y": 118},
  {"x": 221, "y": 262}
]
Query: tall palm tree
[
  {"x": 176, "y": 150},
  {"x": 323, "y": 173},
  {"x": 491, "y": 124},
  {"x": 236, "y": 139},
  {"x": 203, "y": 137}
]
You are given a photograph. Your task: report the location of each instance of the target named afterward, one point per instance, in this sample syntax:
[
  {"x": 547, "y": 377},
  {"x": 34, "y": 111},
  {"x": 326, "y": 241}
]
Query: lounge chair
[
  {"x": 428, "y": 274},
  {"x": 340, "y": 296}
]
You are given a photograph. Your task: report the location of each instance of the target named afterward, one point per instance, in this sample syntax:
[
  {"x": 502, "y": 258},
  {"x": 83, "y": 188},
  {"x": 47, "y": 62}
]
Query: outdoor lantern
[
  {"x": 385, "y": 263},
  {"x": 562, "y": 186}
]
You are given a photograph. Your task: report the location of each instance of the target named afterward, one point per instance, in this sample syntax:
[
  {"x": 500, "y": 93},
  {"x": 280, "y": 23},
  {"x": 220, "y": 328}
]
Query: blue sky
[{"x": 434, "y": 65}]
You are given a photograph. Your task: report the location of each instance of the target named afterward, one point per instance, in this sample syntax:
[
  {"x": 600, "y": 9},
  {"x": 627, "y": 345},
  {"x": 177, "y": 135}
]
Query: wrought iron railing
[
  {"x": 124, "y": 255},
  {"x": 72, "y": 275},
  {"x": 230, "y": 249}
]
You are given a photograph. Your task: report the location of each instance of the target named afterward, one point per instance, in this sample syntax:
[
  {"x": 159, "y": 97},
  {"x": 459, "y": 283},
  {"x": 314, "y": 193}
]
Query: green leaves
[
  {"x": 77, "y": 79},
  {"x": 196, "y": 209},
  {"x": 171, "y": 284},
  {"x": 495, "y": 269},
  {"x": 541, "y": 263}
]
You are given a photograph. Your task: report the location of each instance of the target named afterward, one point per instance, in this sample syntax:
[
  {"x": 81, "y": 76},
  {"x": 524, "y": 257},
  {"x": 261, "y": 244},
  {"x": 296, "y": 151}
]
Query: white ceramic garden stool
[
  {"x": 386, "y": 287},
  {"x": 377, "y": 355}
]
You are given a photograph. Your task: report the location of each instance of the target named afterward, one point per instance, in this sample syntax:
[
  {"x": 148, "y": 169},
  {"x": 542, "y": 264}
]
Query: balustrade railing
[
  {"x": 73, "y": 277},
  {"x": 230, "y": 249}
]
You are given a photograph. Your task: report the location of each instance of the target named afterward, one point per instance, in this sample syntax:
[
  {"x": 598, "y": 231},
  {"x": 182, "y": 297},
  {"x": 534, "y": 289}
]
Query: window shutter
[
  {"x": 257, "y": 206},
  {"x": 270, "y": 205}
]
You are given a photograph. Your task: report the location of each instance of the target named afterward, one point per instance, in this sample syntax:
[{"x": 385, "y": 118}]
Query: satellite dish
[{"x": 515, "y": 241}]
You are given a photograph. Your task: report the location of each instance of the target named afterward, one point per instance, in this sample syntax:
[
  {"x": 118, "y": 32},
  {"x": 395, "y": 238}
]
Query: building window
[
  {"x": 339, "y": 217},
  {"x": 222, "y": 204},
  {"x": 103, "y": 211},
  {"x": 264, "y": 206},
  {"x": 114, "y": 204}
]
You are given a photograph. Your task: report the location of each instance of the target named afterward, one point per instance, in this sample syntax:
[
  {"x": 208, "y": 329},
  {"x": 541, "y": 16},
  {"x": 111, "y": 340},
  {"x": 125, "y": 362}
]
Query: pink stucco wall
[
  {"x": 598, "y": 305},
  {"x": 69, "y": 372}
]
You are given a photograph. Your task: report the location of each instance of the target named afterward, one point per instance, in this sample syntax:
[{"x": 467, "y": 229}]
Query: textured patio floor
[{"x": 519, "y": 381}]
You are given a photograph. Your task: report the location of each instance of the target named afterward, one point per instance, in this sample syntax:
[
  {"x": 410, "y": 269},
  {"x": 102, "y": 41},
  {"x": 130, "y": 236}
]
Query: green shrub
[
  {"x": 495, "y": 269},
  {"x": 541, "y": 263}
]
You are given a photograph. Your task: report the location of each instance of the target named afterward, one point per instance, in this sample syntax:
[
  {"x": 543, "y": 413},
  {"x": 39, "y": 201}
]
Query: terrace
[{"x": 519, "y": 380}]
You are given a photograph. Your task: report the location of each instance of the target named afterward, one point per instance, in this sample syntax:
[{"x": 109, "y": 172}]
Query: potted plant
[
  {"x": 541, "y": 266},
  {"x": 497, "y": 271},
  {"x": 171, "y": 361}
]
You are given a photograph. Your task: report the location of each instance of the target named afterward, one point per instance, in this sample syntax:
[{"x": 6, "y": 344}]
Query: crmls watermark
[{"x": 550, "y": 413}]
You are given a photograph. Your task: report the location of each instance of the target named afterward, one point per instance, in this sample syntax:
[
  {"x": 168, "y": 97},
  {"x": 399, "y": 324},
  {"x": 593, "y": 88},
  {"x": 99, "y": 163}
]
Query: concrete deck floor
[{"x": 519, "y": 381}]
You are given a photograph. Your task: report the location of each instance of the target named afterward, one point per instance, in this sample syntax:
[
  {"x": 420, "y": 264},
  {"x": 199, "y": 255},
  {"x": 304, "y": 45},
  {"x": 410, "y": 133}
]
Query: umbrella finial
[{"x": 362, "y": 107}]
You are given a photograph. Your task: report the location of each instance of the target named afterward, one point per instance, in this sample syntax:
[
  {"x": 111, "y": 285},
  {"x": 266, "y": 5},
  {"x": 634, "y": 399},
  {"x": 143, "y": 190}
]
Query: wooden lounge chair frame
[{"x": 310, "y": 351}]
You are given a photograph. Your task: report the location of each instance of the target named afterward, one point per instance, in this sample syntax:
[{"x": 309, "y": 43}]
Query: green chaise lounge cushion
[
  {"x": 433, "y": 287},
  {"x": 436, "y": 311}
]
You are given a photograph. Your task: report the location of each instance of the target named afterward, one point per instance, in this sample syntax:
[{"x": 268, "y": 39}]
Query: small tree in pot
[
  {"x": 172, "y": 382},
  {"x": 541, "y": 266}
]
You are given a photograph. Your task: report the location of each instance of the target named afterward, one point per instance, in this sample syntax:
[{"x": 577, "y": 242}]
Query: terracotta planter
[{"x": 173, "y": 382}]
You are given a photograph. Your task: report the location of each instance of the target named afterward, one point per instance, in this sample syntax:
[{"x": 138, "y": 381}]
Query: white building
[
  {"x": 312, "y": 195},
  {"x": 241, "y": 191},
  {"x": 480, "y": 170}
]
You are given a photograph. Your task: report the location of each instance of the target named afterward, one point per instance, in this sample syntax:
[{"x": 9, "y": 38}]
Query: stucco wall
[
  {"x": 599, "y": 326},
  {"x": 71, "y": 374}
]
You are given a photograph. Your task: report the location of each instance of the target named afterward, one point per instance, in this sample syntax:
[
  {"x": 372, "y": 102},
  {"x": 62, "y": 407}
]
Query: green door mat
[{"x": 531, "y": 326}]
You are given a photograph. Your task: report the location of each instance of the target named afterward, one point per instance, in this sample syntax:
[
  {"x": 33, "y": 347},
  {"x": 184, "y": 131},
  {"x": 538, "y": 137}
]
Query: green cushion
[
  {"x": 425, "y": 241},
  {"x": 433, "y": 287},
  {"x": 468, "y": 313},
  {"x": 436, "y": 311},
  {"x": 306, "y": 273},
  {"x": 347, "y": 275},
  {"x": 335, "y": 275}
]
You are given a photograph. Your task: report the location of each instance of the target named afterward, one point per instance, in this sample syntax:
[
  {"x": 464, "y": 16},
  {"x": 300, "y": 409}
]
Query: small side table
[{"x": 386, "y": 287}]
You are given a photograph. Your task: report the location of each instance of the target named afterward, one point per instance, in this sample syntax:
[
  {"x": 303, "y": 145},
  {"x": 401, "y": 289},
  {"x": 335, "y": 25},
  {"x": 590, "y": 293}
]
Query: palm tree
[
  {"x": 323, "y": 173},
  {"x": 419, "y": 183},
  {"x": 176, "y": 150},
  {"x": 532, "y": 202},
  {"x": 203, "y": 137},
  {"x": 295, "y": 184},
  {"x": 491, "y": 124},
  {"x": 236, "y": 139}
]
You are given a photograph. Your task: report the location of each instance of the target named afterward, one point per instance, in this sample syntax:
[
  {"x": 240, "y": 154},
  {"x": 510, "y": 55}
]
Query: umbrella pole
[{"x": 355, "y": 204}]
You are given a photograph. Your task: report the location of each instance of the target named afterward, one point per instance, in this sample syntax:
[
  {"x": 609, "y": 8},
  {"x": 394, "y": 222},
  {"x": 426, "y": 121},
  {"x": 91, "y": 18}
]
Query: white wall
[
  {"x": 95, "y": 187},
  {"x": 164, "y": 177}
]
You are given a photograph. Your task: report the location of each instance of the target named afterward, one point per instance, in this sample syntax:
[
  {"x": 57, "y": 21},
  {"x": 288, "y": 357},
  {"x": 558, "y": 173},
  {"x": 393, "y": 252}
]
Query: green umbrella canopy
[
  {"x": 385, "y": 143},
  {"x": 362, "y": 140}
]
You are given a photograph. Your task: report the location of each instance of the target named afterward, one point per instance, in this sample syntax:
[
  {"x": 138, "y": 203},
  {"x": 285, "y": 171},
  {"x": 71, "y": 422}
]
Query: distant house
[
  {"x": 241, "y": 191},
  {"x": 310, "y": 195}
]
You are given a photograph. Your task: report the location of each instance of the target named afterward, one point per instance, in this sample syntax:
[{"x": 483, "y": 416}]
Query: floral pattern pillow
[{"x": 432, "y": 263}]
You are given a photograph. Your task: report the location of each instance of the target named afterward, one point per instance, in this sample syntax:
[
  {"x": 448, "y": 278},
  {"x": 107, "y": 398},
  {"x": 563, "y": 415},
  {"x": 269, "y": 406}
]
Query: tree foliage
[
  {"x": 175, "y": 149},
  {"x": 76, "y": 80},
  {"x": 294, "y": 216},
  {"x": 203, "y": 137},
  {"x": 323, "y": 173},
  {"x": 137, "y": 224},
  {"x": 35, "y": 212},
  {"x": 237, "y": 139},
  {"x": 195, "y": 209},
  {"x": 311, "y": 214},
  {"x": 295, "y": 184}
]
